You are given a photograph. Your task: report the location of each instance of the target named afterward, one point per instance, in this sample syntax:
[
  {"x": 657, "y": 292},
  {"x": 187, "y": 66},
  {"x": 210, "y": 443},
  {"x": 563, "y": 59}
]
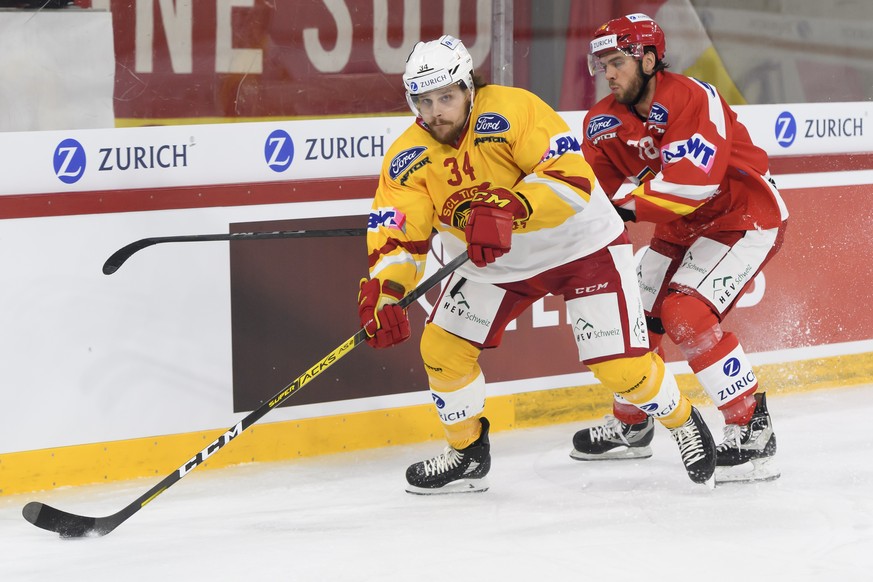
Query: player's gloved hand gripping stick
[
  {"x": 494, "y": 212},
  {"x": 381, "y": 316}
]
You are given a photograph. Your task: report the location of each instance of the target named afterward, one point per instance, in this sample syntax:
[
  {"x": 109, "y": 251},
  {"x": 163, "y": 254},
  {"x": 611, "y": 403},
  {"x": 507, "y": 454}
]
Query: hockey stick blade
[
  {"x": 66, "y": 524},
  {"x": 118, "y": 258},
  {"x": 70, "y": 525}
]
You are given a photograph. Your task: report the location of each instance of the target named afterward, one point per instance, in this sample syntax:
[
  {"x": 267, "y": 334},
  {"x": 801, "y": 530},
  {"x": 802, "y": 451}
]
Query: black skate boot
[
  {"x": 746, "y": 454},
  {"x": 614, "y": 440},
  {"x": 453, "y": 471},
  {"x": 697, "y": 448}
]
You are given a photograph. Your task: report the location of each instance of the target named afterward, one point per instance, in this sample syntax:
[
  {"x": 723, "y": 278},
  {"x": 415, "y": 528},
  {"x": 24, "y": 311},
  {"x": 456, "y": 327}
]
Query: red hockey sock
[{"x": 627, "y": 412}]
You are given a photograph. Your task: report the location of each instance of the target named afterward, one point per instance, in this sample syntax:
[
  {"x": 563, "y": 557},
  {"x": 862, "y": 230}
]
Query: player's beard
[
  {"x": 630, "y": 95},
  {"x": 454, "y": 134}
]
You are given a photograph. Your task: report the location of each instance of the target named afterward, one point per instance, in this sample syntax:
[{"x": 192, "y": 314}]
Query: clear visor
[
  {"x": 424, "y": 102},
  {"x": 415, "y": 101},
  {"x": 597, "y": 63}
]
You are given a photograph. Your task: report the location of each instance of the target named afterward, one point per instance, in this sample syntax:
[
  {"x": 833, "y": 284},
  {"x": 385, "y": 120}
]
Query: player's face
[
  {"x": 622, "y": 72},
  {"x": 445, "y": 112}
]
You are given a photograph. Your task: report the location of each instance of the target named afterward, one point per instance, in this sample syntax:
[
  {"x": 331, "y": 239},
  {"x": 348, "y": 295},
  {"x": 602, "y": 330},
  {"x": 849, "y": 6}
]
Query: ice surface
[{"x": 546, "y": 517}]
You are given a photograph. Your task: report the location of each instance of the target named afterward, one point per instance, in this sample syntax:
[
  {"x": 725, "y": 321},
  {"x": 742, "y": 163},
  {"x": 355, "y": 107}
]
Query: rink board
[
  {"x": 130, "y": 375},
  {"x": 157, "y": 456}
]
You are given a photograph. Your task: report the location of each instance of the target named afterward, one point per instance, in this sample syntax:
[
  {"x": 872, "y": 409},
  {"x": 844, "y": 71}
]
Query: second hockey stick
[
  {"x": 71, "y": 525},
  {"x": 114, "y": 262}
]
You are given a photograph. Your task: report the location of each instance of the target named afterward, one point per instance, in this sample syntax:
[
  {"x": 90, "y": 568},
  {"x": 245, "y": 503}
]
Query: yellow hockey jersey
[{"x": 513, "y": 140}]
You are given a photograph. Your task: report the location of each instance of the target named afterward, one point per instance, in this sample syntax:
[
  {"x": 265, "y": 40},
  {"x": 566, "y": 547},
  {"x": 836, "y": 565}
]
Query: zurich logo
[
  {"x": 600, "y": 124},
  {"x": 279, "y": 150},
  {"x": 650, "y": 407},
  {"x": 69, "y": 161},
  {"x": 413, "y": 86},
  {"x": 404, "y": 159},
  {"x": 440, "y": 403},
  {"x": 731, "y": 367},
  {"x": 786, "y": 129},
  {"x": 491, "y": 123}
]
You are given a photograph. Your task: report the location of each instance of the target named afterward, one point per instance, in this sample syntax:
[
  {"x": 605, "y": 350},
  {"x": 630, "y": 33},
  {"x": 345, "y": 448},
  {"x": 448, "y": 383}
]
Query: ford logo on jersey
[
  {"x": 600, "y": 124},
  {"x": 69, "y": 161},
  {"x": 658, "y": 114},
  {"x": 402, "y": 160},
  {"x": 491, "y": 123},
  {"x": 695, "y": 149}
]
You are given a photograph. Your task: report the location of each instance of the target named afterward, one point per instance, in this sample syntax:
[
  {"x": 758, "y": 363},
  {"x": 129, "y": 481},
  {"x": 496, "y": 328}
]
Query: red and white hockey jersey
[
  {"x": 691, "y": 166},
  {"x": 513, "y": 140}
]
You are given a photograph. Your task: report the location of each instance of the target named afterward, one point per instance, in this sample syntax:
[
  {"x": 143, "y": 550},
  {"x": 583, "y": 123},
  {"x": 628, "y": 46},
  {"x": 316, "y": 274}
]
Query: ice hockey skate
[
  {"x": 697, "y": 448},
  {"x": 614, "y": 440},
  {"x": 453, "y": 470},
  {"x": 746, "y": 454}
]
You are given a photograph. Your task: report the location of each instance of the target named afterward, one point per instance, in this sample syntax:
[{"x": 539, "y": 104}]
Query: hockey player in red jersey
[
  {"x": 499, "y": 175},
  {"x": 667, "y": 149}
]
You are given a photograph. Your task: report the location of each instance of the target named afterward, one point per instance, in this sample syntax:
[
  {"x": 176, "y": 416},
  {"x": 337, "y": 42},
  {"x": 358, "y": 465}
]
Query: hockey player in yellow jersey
[{"x": 499, "y": 175}]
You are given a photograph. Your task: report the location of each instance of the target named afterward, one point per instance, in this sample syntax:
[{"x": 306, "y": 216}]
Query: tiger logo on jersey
[{"x": 456, "y": 208}]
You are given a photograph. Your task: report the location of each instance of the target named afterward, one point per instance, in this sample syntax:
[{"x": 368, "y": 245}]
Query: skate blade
[
  {"x": 459, "y": 486},
  {"x": 754, "y": 471},
  {"x": 617, "y": 454}
]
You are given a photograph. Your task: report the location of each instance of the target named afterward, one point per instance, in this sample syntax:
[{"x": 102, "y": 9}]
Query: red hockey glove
[
  {"x": 493, "y": 214},
  {"x": 386, "y": 323}
]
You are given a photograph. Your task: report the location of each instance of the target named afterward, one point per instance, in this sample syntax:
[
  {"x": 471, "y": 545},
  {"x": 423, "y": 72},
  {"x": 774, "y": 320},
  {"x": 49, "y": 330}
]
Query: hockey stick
[
  {"x": 118, "y": 258},
  {"x": 70, "y": 525}
]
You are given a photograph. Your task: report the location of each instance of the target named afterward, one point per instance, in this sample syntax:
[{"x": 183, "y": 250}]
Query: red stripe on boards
[{"x": 139, "y": 200}]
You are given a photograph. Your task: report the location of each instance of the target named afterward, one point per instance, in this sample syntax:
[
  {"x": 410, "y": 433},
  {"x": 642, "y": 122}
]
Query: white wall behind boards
[{"x": 58, "y": 69}]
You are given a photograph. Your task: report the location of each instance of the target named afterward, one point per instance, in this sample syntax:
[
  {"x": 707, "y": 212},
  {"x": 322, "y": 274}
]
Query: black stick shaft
[
  {"x": 70, "y": 525},
  {"x": 114, "y": 262}
]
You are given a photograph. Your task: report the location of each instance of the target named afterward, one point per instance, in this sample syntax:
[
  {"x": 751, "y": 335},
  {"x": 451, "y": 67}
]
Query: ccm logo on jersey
[
  {"x": 491, "y": 123},
  {"x": 387, "y": 217},
  {"x": 695, "y": 149},
  {"x": 600, "y": 124},
  {"x": 403, "y": 160}
]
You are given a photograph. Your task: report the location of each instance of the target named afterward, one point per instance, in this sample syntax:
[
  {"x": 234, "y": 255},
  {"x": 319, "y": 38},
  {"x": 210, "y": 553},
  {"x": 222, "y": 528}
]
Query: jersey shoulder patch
[
  {"x": 488, "y": 123},
  {"x": 404, "y": 160},
  {"x": 601, "y": 124}
]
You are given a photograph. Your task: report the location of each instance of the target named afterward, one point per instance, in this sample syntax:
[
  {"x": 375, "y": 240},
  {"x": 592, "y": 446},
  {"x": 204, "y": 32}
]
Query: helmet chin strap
[
  {"x": 470, "y": 111},
  {"x": 646, "y": 79}
]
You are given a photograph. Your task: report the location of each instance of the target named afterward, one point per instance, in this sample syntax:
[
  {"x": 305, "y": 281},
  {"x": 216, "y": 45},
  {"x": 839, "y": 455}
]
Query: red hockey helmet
[{"x": 629, "y": 34}]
